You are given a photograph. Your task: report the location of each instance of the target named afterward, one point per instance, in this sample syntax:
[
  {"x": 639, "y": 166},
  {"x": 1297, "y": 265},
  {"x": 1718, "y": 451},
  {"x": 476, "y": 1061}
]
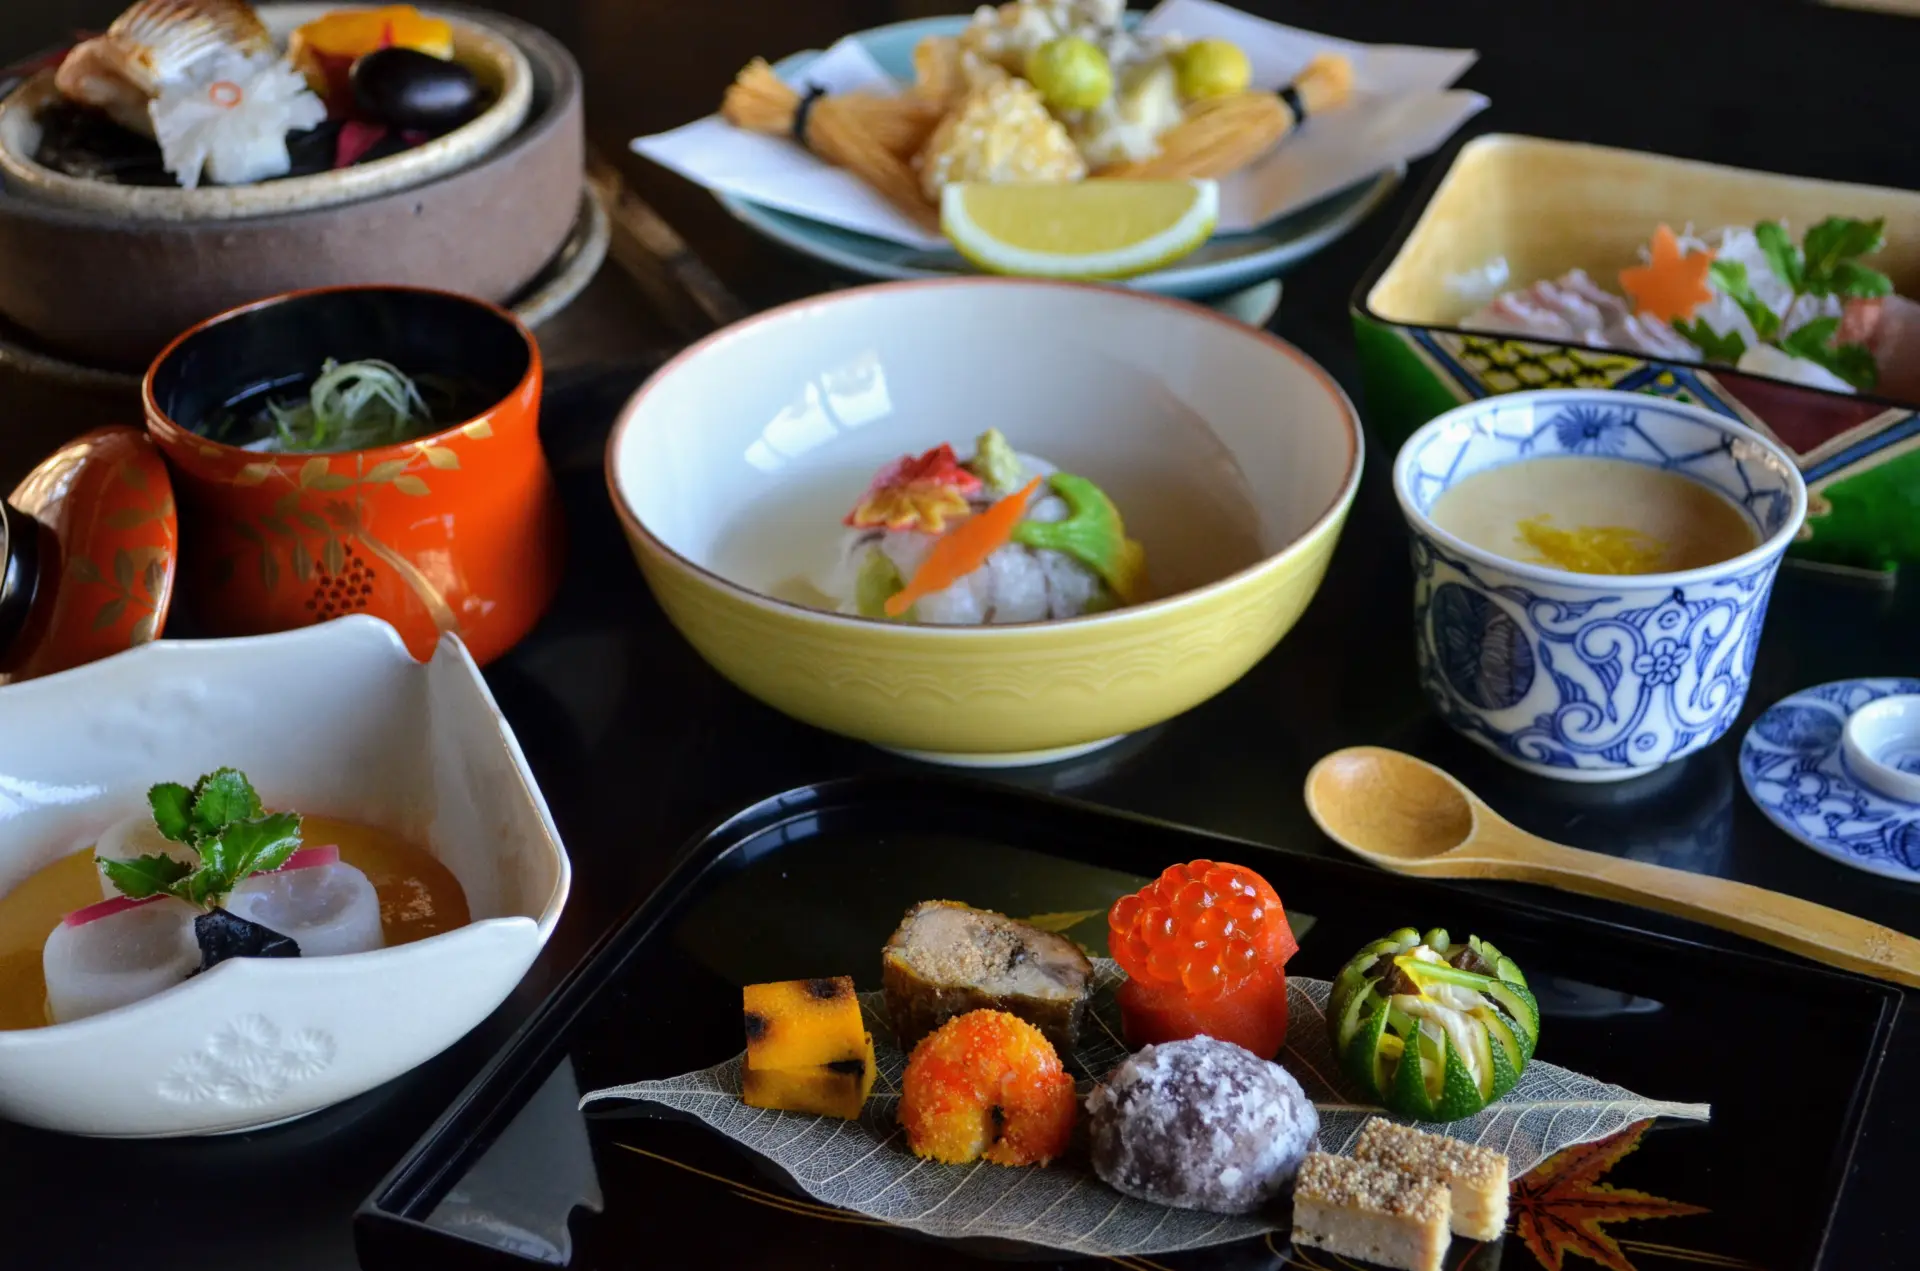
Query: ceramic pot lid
[{"x": 90, "y": 542}]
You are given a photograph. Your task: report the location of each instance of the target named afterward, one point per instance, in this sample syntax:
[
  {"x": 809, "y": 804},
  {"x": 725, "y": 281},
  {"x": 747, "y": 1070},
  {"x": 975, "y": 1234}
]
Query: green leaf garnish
[
  {"x": 145, "y": 876},
  {"x": 252, "y": 847},
  {"x": 1731, "y": 277},
  {"x": 1851, "y": 362},
  {"x": 171, "y": 803},
  {"x": 222, "y": 820},
  {"x": 222, "y": 797},
  {"x": 1834, "y": 243},
  {"x": 1852, "y": 279},
  {"x": 1782, "y": 254},
  {"x": 1714, "y": 347}
]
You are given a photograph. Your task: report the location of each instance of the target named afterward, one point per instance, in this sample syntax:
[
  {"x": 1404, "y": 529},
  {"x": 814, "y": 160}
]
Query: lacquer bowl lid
[{"x": 89, "y": 544}]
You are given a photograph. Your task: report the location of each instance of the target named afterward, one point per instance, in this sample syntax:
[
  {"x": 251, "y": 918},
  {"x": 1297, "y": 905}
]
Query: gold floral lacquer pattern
[
  {"x": 283, "y": 542},
  {"x": 103, "y": 505},
  {"x": 457, "y": 532}
]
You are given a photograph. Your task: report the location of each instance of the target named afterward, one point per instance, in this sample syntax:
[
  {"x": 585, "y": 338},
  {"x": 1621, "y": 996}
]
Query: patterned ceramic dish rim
[
  {"x": 1342, "y": 499},
  {"x": 166, "y": 428},
  {"x": 1361, "y": 301},
  {"x": 1468, "y": 415},
  {"x": 1830, "y": 762}
]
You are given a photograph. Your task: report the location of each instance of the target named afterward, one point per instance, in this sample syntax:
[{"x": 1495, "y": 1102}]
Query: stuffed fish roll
[{"x": 1002, "y": 537}]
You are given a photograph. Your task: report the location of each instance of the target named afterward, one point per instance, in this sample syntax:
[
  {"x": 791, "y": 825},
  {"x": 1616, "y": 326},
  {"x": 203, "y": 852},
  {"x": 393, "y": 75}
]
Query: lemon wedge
[{"x": 1086, "y": 229}]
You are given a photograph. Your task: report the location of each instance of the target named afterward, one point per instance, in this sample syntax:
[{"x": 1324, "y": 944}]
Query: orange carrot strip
[{"x": 963, "y": 549}]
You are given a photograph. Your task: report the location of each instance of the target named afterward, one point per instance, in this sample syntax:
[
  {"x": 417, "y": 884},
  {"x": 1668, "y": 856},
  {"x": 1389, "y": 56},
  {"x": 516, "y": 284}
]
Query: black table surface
[{"x": 637, "y": 744}]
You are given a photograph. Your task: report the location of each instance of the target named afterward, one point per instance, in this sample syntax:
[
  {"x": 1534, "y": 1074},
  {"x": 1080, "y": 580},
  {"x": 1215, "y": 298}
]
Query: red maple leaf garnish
[
  {"x": 1559, "y": 1206},
  {"x": 916, "y": 493}
]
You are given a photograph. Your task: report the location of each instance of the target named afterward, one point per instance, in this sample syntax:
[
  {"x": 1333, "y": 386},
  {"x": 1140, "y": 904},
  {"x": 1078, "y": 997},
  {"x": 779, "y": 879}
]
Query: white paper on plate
[{"x": 1401, "y": 110}]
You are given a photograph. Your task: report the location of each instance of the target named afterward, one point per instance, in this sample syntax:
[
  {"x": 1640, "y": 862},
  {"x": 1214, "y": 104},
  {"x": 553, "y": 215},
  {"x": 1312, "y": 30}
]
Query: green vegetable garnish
[
  {"x": 996, "y": 464},
  {"x": 1092, "y": 534},
  {"x": 1781, "y": 254},
  {"x": 1829, "y": 265},
  {"x": 1432, "y": 1029},
  {"x": 878, "y": 580},
  {"x": 1825, "y": 265},
  {"x": 221, "y": 819},
  {"x": 1851, "y": 362},
  {"x": 352, "y": 406},
  {"x": 1731, "y": 277},
  {"x": 1713, "y": 346}
]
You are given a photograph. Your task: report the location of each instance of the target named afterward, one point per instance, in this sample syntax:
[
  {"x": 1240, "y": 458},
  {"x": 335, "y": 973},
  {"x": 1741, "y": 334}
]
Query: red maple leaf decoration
[
  {"x": 1559, "y": 1206},
  {"x": 916, "y": 493}
]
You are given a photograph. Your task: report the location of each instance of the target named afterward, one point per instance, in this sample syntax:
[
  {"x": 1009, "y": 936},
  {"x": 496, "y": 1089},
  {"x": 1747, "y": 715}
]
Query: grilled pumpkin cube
[
  {"x": 804, "y": 1024},
  {"x": 835, "y": 1089}
]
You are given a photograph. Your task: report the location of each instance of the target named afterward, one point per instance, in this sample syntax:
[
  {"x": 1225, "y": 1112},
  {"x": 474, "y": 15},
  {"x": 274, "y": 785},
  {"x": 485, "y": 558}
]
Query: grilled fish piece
[
  {"x": 151, "y": 45},
  {"x": 947, "y": 958}
]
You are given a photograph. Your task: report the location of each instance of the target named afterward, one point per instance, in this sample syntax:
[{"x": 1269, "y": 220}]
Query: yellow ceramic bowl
[{"x": 1233, "y": 457}]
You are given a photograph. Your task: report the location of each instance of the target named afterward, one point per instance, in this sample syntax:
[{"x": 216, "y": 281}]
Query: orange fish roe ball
[
  {"x": 1204, "y": 927},
  {"x": 987, "y": 1086}
]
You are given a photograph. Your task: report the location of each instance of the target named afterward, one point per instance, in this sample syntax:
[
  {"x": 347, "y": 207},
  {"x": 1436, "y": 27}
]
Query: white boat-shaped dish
[
  {"x": 491, "y": 54},
  {"x": 335, "y": 719}
]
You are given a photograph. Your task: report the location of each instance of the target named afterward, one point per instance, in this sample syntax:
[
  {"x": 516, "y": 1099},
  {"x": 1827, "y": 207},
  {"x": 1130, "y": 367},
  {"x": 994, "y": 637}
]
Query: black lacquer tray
[{"x": 811, "y": 882}]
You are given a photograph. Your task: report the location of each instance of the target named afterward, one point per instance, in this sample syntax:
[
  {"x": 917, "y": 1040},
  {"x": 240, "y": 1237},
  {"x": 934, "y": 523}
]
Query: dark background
[{"x": 637, "y": 745}]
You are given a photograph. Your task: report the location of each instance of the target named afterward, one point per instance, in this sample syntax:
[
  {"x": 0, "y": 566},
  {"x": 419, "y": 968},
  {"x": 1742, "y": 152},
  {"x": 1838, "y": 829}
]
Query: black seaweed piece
[{"x": 222, "y": 935}]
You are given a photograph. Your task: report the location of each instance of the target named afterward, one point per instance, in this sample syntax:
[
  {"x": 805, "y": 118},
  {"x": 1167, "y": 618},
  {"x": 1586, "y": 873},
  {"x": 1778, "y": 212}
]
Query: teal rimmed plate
[{"x": 1230, "y": 262}]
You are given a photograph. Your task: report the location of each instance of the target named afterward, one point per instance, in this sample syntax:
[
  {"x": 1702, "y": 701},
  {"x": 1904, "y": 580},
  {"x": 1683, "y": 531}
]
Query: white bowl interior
[
  {"x": 333, "y": 720},
  {"x": 1882, "y": 744},
  {"x": 1219, "y": 444}
]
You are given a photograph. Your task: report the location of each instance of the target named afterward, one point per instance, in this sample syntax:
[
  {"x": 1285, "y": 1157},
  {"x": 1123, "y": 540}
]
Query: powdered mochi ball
[{"x": 1200, "y": 1124}]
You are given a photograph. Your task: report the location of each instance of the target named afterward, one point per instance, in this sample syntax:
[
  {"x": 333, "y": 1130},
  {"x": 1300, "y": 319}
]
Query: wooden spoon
[{"x": 1408, "y": 816}]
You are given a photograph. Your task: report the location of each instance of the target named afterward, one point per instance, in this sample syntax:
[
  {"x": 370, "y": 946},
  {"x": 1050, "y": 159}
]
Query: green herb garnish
[
  {"x": 1830, "y": 267},
  {"x": 1713, "y": 346},
  {"x": 352, "y": 406},
  {"x": 1824, "y": 265},
  {"x": 1851, "y": 362},
  {"x": 1781, "y": 253},
  {"x": 1731, "y": 277},
  {"x": 221, "y": 819}
]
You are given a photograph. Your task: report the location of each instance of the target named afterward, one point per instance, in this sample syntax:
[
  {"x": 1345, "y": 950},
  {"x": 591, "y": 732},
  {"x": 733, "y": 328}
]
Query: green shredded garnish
[{"x": 352, "y": 406}]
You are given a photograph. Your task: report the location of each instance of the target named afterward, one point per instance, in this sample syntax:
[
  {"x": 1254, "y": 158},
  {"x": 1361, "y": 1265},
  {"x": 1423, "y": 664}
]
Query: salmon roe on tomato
[{"x": 1204, "y": 928}]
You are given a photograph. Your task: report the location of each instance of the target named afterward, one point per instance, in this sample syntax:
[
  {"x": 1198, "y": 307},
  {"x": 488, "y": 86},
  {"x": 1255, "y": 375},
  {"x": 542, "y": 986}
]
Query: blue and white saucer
[{"x": 1795, "y": 768}]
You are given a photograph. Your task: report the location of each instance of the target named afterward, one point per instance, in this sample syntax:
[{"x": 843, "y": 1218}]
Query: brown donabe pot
[{"x": 113, "y": 292}]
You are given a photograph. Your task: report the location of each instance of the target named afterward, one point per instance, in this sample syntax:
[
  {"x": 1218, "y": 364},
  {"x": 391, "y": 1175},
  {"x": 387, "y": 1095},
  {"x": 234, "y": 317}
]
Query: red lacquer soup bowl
[{"x": 454, "y": 530}]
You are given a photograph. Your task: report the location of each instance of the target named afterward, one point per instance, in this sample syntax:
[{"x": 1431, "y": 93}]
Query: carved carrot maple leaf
[{"x": 1560, "y": 1205}]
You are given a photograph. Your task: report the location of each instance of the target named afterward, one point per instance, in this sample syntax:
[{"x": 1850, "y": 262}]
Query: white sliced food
[
  {"x": 118, "y": 960},
  {"x": 326, "y": 909}
]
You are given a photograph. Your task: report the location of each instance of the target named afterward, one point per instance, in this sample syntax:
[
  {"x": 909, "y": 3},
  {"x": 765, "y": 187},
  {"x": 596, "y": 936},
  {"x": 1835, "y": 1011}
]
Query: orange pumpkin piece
[
  {"x": 325, "y": 49},
  {"x": 803, "y": 1024},
  {"x": 1672, "y": 286},
  {"x": 963, "y": 549},
  {"x": 836, "y": 1089}
]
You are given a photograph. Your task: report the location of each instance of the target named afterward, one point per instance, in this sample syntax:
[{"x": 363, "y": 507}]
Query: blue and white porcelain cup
[{"x": 1590, "y": 677}]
